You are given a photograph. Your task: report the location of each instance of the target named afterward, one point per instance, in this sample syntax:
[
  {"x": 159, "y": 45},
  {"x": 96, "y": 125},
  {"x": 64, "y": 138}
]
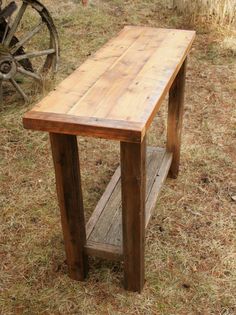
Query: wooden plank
[
  {"x": 114, "y": 82},
  {"x": 102, "y": 202},
  {"x": 133, "y": 183},
  {"x": 175, "y": 119},
  {"x": 113, "y": 87},
  {"x": 146, "y": 91},
  {"x": 77, "y": 84},
  {"x": 107, "y": 215},
  {"x": 68, "y": 182},
  {"x": 106, "y": 251},
  {"x": 68, "y": 124},
  {"x": 114, "y": 233},
  {"x": 155, "y": 158},
  {"x": 106, "y": 221},
  {"x": 157, "y": 184}
]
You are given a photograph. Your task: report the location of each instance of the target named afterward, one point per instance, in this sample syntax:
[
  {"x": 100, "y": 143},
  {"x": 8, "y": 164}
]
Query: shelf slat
[{"x": 104, "y": 228}]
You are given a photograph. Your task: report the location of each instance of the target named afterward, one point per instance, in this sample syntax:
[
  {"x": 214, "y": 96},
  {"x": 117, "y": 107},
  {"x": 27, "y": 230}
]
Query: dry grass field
[
  {"x": 220, "y": 11},
  {"x": 191, "y": 247}
]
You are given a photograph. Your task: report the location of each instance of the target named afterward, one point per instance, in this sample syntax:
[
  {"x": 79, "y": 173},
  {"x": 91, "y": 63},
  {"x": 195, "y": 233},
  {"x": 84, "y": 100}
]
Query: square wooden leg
[
  {"x": 133, "y": 182},
  {"x": 175, "y": 119},
  {"x": 68, "y": 182}
]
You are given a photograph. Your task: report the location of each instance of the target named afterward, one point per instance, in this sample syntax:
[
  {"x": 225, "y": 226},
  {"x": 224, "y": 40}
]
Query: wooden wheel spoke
[
  {"x": 27, "y": 37},
  {"x": 19, "y": 89},
  {"x": 30, "y": 74},
  {"x": 6, "y": 29},
  {"x": 36, "y": 54},
  {"x": 15, "y": 24}
]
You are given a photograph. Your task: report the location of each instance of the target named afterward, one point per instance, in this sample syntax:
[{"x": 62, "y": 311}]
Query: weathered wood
[
  {"x": 26, "y": 38},
  {"x": 114, "y": 233},
  {"x": 15, "y": 24},
  {"x": 30, "y": 74},
  {"x": 175, "y": 119},
  {"x": 133, "y": 184},
  {"x": 102, "y": 203},
  {"x": 106, "y": 217},
  {"x": 36, "y": 54},
  {"x": 68, "y": 124},
  {"x": 105, "y": 224},
  {"x": 68, "y": 182},
  {"x": 113, "y": 96},
  {"x": 111, "y": 86},
  {"x": 160, "y": 177},
  {"x": 106, "y": 221},
  {"x": 105, "y": 251},
  {"x": 19, "y": 89}
]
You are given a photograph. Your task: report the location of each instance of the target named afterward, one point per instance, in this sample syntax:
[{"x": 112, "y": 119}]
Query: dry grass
[
  {"x": 190, "y": 253},
  {"x": 220, "y": 11}
]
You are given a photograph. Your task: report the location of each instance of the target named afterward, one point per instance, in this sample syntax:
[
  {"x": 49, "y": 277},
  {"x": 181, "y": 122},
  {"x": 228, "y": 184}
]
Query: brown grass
[
  {"x": 219, "y": 11},
  {"x": 190, "y": 252}
]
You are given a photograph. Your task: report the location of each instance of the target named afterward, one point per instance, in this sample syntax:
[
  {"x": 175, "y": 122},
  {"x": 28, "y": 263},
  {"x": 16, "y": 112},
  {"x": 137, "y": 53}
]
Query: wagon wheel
[{"x": 21, "y": 57}]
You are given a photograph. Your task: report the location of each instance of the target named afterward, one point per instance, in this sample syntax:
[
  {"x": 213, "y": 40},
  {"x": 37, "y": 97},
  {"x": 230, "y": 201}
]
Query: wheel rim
[{"x": 13, "y": 58}]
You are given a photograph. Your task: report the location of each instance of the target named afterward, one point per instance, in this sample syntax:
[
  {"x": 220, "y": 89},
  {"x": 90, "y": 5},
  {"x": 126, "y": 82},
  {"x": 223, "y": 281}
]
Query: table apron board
[{"x": 84, "y": 126}]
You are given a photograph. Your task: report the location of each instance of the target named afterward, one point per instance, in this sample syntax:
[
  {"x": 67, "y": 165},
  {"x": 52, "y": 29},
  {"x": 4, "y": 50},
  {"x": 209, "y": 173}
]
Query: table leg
[
  {"x": 133, "y": 182},
  {"x": 175, "y": 119},
  {"x": 68, "y": 182}
]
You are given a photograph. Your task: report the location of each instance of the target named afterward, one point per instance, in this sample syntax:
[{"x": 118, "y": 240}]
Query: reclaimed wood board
[
  {"x": 118, "y": 90},
  {"x": 104, "y": 228}
]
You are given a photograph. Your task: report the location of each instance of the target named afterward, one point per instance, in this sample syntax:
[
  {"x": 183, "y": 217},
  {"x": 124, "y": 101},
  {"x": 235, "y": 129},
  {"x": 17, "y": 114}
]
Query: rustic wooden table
[{"x": 115, "y": 94}]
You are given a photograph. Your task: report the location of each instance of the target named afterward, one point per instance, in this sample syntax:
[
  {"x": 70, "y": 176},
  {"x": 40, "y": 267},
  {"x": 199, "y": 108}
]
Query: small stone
[{"x": 233, "y": 198}]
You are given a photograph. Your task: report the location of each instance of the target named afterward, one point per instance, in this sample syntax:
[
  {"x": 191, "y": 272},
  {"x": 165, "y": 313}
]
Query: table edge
[
  {"x": 128, "y": 131},
  {"x": 148, "y": 120}
]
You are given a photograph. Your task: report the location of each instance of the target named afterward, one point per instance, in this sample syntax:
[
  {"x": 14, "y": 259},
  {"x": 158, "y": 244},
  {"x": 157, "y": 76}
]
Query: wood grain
[
  {"x": 175, "y": 119},
  {"x": 102, "y": 203},
  {"x": 133, "y": 184},
  {"x": 69, "y": 124},
  {"x": 159, "y": 179},
  {"x": 123, "y": 83},
  {"x": 105, "y": 251},
  {"x": 115, "y": 95},
  {"x": 68, "y": 182},
  {"x": 104, "y": 227}
]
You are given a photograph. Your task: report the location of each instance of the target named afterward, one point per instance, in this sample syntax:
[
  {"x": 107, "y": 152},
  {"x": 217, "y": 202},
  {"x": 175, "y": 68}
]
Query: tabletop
[{"x": 115, "y": 93}]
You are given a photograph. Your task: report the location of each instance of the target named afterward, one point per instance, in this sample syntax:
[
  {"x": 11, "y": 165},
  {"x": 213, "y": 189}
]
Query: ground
[{"x": 190, "y": 252}]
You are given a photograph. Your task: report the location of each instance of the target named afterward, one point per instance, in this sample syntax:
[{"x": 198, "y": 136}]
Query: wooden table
[{"x": 115, "y": 94}]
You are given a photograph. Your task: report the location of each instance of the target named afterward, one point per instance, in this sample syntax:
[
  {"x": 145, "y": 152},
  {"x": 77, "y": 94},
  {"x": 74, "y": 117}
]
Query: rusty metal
[{"x": 15, "y": 58}]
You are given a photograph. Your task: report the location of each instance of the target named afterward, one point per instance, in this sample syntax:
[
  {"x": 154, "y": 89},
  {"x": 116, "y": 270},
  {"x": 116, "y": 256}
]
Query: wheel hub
[
  {"x": 8, "y": 66},
  {"x": 5, "y": 66}
]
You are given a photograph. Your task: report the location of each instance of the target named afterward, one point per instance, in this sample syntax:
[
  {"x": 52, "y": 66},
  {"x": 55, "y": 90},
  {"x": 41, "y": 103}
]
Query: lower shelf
[{"x": 104, "y": 228}]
